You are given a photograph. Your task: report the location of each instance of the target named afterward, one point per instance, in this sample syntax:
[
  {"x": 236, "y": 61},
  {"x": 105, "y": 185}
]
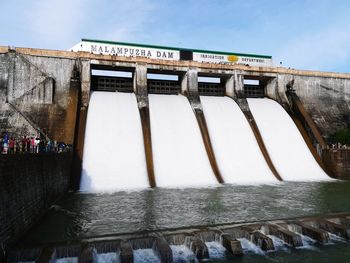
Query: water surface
[{"x": 81, "y": 215}]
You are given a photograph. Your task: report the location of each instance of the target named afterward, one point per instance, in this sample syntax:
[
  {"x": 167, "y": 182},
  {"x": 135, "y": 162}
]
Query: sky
[{"x": 309, "y": 34}]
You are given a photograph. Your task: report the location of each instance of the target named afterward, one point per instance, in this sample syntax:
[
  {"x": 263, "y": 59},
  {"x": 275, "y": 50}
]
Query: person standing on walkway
[
  {"x": 32, "y": 145},
  {"x": 36, "y": 144}
]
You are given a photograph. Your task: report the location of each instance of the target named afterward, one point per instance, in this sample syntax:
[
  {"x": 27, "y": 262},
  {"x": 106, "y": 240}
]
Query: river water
[{"x": 82, "y": 215}]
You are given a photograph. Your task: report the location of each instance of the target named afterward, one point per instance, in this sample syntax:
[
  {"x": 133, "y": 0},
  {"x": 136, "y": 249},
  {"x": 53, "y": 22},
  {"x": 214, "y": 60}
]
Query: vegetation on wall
[{"x": 341, "y": 136}]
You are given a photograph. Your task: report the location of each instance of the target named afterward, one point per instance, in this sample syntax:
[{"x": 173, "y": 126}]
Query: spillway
[
  {"x": 114, "y": 155},
  {"x": 286, "y": 146},
  {"x": 179, "y": 155},
  {"x": 236, "y": 149}
]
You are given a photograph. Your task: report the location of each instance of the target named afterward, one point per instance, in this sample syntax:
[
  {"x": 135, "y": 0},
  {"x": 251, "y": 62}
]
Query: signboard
[
  {"x": 232, "y": 59},
  {"x": 169, "y": 53},
  {"x": 127, "y": 51}
]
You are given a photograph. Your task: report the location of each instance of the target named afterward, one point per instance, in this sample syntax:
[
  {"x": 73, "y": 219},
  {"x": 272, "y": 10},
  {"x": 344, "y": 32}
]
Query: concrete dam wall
[
  {"x": 29, "y": 184},
  {"x": 40, "y": 89},
  {"x": 48, "y": 92},
  {"x": 37, "y": 95}
]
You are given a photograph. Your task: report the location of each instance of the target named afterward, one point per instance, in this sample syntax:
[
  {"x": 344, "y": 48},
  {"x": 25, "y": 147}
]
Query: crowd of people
[{"x": 30, "y": 144}]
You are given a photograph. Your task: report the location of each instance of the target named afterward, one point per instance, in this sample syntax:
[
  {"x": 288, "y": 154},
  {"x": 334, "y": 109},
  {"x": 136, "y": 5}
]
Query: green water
[{"x": 79, "y": 215}]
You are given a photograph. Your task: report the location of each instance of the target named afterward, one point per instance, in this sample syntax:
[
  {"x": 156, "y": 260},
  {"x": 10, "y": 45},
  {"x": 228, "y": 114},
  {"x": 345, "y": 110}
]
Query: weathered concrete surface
[
  {"x": 337, "y": 161},
  {"x": 194, "y": 99},
  {"x": 286, "y": 235},
  {"x": 220, "y": 68},
  {"x": 47, "y": 255},
  {"x": 198, "y": 247},
  {"x": 232, "y": 245},
  {"x": 29, "y": 184},
  {"x": 325, "y": 95},
  {"x": 243, "y": 104},
  {"x": 258, "y": 238},
  {"x": 313, "y": 232},
  {"x": 35, "y": 96},
  {"x": 163, "y": 250},
  {"x": 334, "y": 228},
  {"x": 141, "y": 91},
  {"x": 326, "y": 98},
  {"x": 86, "y": 254},
  {"x": 126, "y": 252}
]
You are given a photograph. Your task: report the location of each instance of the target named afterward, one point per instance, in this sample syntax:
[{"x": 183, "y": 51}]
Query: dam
[{"x": 171, "y": 151}]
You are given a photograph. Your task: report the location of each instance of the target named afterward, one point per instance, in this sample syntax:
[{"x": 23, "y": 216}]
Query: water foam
[
  {"x": 179, "y": 155},
  {"x": 250, "y": 247},
  {"x": 107, "y": 258},
  {"x": 235, "y": 146},
  {"x": 114, "y": 151},
  {"x": 216, "y": 250},
  {"x": 286, "y": 146},
  {"x": 67, "y": 260},
  {"x": 145, "y": 256},
  {"x": 183, "y": 254}
]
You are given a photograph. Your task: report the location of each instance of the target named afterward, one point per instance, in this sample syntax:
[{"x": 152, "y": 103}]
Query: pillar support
[
  {"x": 141, "y": 91},
  {"x": 194, "y": 99}
]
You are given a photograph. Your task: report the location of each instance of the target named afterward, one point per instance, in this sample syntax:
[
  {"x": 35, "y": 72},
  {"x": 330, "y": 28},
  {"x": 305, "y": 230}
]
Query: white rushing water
[
  {"x": 250, "y": 247},
  {"x": 286, "y": 146},
  {"x": 237, "y": 152},
  {"x": 67, "y": 260},
  {"x": 145, "y": 256},
  {"x": 182, "y": 254},
  {"x": 216, "y": 250},
  {"x": 114, "y": 155},
  {"x": 179, "y": 155},
  {"x": 112, "y": 257}
]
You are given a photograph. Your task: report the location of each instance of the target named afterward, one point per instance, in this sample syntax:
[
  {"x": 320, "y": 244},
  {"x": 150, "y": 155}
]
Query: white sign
[
  {"x": 154, "y": 52},
  {"x": 230, "y": 59},
  {"x": 127, "y": 51}
]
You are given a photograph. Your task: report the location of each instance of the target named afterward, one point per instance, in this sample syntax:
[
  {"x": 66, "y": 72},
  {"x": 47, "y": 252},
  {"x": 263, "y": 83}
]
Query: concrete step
[
  {"x": 232, "y": 245},
  {"x": 313, "y": 232},
  {"x": 286, "y": 235}
]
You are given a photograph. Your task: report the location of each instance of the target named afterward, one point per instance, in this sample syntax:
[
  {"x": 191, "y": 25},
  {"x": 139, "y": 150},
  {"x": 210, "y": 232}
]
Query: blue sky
[{"x": 306, "y": 34}]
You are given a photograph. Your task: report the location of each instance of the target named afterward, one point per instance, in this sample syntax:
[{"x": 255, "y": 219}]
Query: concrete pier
[
  {"x": 313, "y": 232},
  {"x": 243, "y": 104},
  {"x": 163, "y": 250},
  {"x": 86, "y": 254},
  {"x": 141, "y": 91},
  {"x": 193, "y": 96},
  {"x": 126, "y": 252},
  {"x": 47, "y": 255},
  {"x": 286, "y": 235},
  {"x": 232, "y": 245},
  {"x": 198, "y": 247}
]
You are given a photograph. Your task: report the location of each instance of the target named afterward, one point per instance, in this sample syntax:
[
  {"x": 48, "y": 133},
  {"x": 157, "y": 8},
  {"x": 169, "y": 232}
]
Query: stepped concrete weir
[{"x": 229, "y": 236}]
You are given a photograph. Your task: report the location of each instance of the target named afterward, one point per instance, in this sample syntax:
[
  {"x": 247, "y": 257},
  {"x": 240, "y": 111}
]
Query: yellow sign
[{"x": 232, "y": 58}]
